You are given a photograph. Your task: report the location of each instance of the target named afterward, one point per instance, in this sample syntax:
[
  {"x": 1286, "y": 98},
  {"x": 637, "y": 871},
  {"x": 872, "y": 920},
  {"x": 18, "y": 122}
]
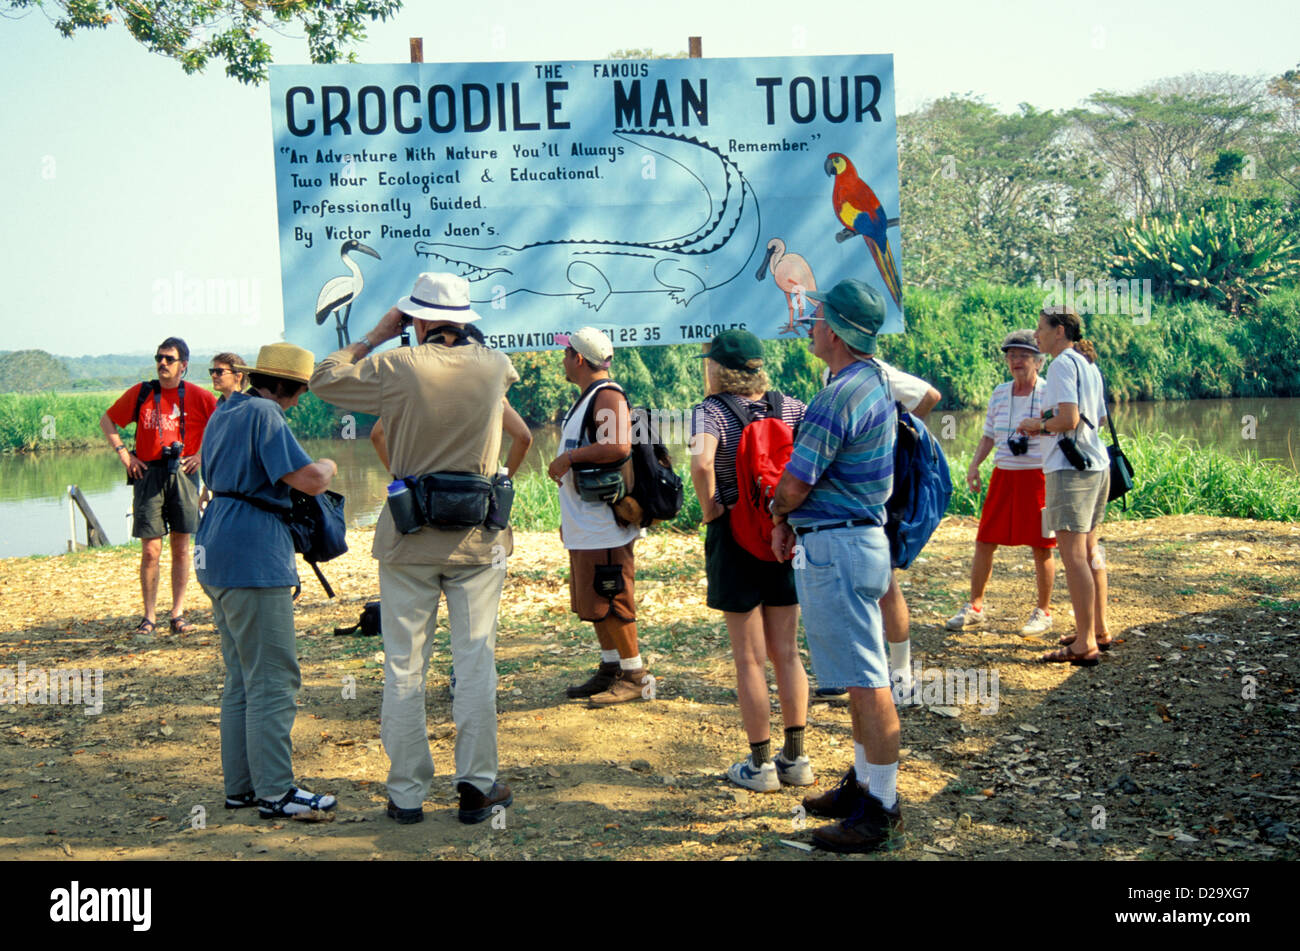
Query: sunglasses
[
  {"x": 218, "y": 371},
  {"x": 163, "y": 358},
  {"x": 806, "y": 323}
]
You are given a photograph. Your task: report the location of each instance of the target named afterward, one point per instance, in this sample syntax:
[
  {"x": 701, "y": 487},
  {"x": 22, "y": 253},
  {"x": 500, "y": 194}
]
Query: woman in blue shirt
[{"x": 244, "y": 560}]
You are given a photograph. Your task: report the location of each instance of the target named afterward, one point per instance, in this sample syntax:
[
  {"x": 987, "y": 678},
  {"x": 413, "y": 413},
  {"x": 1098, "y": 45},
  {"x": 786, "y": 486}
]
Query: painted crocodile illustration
[{"x": 706, "y": 257}]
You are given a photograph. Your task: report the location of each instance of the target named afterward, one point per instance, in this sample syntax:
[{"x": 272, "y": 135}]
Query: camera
[
  {"x": 172, "y": 456},
  {"x": 1073, "y": 456},
  {"x": 1018, "y": 444}
]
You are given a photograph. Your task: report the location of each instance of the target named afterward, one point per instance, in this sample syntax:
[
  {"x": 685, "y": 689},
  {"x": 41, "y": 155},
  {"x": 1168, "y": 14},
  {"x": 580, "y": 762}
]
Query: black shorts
[
  {"x": 738, "y": 581},
  {"x": 165, "y": 502}
]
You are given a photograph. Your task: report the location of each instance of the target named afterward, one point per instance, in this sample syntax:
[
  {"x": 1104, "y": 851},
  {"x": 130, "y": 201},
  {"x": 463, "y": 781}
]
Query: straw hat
[{"x": 283, "y": 360}]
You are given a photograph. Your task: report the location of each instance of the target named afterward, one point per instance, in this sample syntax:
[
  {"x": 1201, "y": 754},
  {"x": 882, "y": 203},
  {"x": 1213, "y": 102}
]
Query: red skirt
[{"x": 1013, "y": 509}]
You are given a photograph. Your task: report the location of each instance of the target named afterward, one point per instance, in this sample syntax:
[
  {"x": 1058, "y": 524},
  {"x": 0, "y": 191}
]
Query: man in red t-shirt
[{"x": 170, "y": 418}]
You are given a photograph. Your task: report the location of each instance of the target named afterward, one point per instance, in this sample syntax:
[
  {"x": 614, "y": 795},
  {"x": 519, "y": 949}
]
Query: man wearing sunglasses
[{"x": 164, "y": 469}]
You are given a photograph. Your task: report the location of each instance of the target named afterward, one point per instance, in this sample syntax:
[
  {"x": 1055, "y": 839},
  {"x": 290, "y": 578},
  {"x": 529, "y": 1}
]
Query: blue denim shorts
[{"x": 841, "y": 574}]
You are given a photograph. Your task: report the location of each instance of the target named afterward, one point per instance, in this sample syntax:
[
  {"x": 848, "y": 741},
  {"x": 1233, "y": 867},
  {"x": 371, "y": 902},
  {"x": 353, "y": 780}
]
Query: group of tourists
[{"x": 822, "y": 549}]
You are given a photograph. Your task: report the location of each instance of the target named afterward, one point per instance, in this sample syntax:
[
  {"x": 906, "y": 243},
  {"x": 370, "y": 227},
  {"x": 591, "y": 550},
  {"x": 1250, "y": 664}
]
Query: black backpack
[
  {"x": 316, "y": 525},
  {"x": 656, "y": 490}
]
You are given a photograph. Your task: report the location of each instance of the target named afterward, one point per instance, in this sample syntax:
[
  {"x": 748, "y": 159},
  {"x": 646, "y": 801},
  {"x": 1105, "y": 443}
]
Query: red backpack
[{"x": 764, "y": 449}]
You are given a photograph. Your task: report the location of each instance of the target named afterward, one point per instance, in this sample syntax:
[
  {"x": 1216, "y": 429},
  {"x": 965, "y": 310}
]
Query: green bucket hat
[
  {"x": 855, "y": 311},
  {"x": 735, "y": 350}
]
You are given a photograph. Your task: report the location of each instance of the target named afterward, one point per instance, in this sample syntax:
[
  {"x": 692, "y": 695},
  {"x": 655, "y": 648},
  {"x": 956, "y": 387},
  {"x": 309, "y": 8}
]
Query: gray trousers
[
  {"x": 262, "y": 679},
  {"x": 409, "y": 597}
]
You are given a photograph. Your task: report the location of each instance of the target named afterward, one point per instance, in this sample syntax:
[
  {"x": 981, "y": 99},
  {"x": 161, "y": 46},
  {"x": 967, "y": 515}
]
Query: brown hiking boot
[
  {"x": 600, "y": 681},
  {"x": 628, "y": 685},
  {"x": 870, "y": 828},
  {"x": 839, "y": 801},
  {"x": 476, "y": 806}
]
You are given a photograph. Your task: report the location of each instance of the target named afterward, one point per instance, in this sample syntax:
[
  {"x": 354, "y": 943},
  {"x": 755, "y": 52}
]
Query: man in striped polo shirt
[{"x": 831, "y": 503}]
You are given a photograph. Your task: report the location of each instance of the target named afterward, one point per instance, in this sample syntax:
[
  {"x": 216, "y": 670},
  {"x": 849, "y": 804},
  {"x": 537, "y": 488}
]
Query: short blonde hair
[{"x": 743, "y": 382}]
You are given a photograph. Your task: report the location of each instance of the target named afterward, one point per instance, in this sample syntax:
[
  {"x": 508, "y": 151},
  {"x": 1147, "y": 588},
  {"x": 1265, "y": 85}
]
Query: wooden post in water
[{"x": 95, "y": 536}]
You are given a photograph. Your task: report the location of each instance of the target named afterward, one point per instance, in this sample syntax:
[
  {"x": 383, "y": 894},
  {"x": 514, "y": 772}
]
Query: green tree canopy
[
  {"x": 26, "y": 371},
  {"x": 192, "y": 32}
]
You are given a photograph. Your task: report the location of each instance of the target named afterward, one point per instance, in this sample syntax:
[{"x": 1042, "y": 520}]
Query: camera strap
[{"x": 156, "y": 387}]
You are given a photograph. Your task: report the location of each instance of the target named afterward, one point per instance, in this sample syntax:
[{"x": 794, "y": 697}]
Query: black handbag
[{"x": 1121, "y": 470}]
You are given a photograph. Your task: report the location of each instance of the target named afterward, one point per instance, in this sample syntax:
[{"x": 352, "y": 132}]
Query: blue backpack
[
  {"x": 922, "y": 489},
  {"x": 922, "y": 486}
]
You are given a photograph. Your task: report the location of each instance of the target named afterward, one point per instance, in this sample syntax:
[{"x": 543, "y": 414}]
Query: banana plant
[{"x": 1225, "y": 253}]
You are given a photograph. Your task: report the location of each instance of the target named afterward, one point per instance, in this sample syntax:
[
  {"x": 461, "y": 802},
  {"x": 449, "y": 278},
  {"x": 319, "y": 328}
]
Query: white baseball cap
[{"x": 591, "y": 343}]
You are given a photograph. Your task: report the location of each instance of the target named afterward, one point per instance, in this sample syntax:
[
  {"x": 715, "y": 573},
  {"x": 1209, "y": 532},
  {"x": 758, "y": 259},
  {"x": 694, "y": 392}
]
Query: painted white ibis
[
  {"x": 339, "y": 292},
  {"x": 792, "y": 275}
]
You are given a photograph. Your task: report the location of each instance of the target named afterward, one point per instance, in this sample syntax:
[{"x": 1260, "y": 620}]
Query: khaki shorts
[
  {"x": 1076, "y": 501},
  {"x": 612, "y": 567},
  {"x": 164, "y": 503}
]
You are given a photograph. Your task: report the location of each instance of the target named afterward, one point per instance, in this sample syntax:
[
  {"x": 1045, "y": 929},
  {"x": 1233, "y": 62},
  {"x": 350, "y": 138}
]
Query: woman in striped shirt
[
  {"x": 757, "y": 598},
  {"x": 1012, "y": 513}
]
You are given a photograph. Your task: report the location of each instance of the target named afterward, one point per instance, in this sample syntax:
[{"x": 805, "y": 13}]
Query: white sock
[
  {"x": 609, "y": 656},
  {"x": 860, "y": 765},
  {"x": 883, "y": 783},
  {"x": 630, "y": 663},
  {"x": 900, "y": 658}
]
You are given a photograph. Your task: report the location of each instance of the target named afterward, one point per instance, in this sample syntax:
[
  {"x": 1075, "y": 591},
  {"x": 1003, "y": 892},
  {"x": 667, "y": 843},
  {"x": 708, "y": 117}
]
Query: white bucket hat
[{"x": 439, "y": 297}]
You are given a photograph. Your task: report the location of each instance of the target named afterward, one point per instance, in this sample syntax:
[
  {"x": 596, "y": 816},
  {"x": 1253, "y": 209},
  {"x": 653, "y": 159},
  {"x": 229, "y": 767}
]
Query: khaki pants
[
  {"x": 262, "y": 679},
  {"x": 409, "y": 597}
]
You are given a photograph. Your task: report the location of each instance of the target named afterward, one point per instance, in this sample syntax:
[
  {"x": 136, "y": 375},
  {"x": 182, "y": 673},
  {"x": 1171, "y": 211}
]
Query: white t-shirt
[
  {"x": 1072, "y": 379},
  {"x": 586, "y": 525},
  {"x": 906, "y": 389},
  {"x": 1005, "y": 411}
]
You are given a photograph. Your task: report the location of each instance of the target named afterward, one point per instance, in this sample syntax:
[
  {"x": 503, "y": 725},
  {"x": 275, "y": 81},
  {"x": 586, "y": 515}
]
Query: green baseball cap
[
  {"x": 735, "y": 349},
  {"x": 855, "y": 311}
]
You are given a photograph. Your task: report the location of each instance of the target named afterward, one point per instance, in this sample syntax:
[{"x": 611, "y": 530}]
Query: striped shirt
[
  {"x": 1005, "y": 411},
  {"x": 845, "y": 449},
  {"x": 715, "y": 419}
]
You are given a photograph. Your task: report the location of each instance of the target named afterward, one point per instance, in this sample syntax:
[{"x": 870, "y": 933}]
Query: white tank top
[{"x": 586, "y": 525}]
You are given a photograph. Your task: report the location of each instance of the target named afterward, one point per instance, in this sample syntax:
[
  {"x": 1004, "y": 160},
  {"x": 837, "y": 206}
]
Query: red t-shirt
[{"x": 150, "y": 436}]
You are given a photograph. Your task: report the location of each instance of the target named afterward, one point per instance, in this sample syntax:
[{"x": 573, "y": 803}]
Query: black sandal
[
  {"x": 145, "y": 627},
  {"x": 296, "y": 804}
]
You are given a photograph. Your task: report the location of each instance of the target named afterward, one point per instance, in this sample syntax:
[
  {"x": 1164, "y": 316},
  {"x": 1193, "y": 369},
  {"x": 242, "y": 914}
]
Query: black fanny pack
[{"x": 453, "y": 500}]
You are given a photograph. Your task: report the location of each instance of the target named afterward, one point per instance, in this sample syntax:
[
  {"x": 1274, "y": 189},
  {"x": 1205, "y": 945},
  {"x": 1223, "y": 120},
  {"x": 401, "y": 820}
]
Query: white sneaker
[
  {"x": 1039, "y": 623},
  {"x": 763, "y": 779},
  {"x": 796, "y": 772},
  {"x": 965, "y": 619}
]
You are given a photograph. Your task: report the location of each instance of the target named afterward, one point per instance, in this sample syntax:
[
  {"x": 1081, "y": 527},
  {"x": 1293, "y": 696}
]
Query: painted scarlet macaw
[{"x": 860, "y": 211}]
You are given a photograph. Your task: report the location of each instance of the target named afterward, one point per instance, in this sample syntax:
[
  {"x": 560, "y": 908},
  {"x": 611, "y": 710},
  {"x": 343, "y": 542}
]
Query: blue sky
[{"x": 128, "y": 179}]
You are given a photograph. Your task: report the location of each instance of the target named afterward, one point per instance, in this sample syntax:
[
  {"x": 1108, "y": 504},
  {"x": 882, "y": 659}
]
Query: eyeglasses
[
  {"x": 163, "y": 358},
  {"x": 218, "y": 371},
  {"x": 806, "y": 323}
]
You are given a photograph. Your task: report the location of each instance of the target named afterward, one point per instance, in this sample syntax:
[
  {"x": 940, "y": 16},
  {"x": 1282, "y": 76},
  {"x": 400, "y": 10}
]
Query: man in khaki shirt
[{"x": 441, "y": 403}]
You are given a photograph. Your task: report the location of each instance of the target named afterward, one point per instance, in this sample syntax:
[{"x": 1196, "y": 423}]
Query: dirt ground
[{"x": 1181, "y": 744}]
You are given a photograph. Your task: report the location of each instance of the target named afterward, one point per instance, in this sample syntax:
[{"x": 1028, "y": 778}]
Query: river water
[{"x": 34, "y": 507}]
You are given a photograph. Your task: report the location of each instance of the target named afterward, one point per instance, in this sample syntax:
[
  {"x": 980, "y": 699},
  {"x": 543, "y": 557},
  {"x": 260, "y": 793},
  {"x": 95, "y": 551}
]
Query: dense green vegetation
[
  {"x": 1174, "y": 477},
  {"x": 1188, "y": 350}
]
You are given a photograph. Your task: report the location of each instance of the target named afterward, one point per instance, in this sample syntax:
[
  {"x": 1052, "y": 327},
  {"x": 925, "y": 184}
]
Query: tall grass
[
  {"x": 31, "y": 421},
  {"x": 537, "y": 505},
  {"x": 1175, "y": 476}
]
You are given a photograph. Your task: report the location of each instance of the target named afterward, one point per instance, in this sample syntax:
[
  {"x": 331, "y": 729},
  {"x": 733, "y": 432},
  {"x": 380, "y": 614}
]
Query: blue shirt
[
  {"x": 247, "y": 448},
  {"x": 845, "y": 449}
]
